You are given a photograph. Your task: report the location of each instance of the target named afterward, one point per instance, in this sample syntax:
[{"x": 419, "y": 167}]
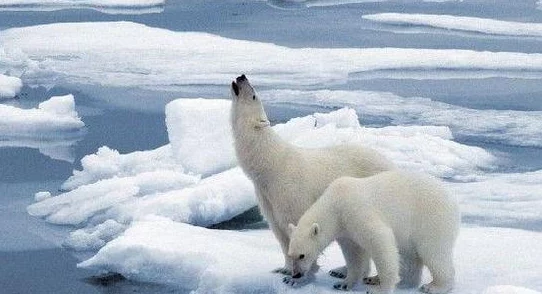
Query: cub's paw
[
  {"x": 288, "y": 280},
  {"x": 339, "y": 272},
  {"x": 371, "y": 281},
  {"x": 342, "y": 286},
  {"x": 282, "y": 271},
  {"x": 435, "y": 289}
]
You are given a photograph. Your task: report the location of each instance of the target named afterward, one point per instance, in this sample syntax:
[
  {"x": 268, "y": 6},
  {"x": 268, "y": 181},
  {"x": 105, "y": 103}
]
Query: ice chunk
[
  {"x": 81, "y": 53},
  {"x": 9, "y": 86},
  {"x": 210, "y": 261},
  {"x": 461, "y": 23},
  {"x": 50, "y": 119},
  {"x": 53, "y": 128},
  {"x": 521, "y": 128},
  {"x": 200, "y": 134},
  {"x": 108, "y": 163},
  {"x": 77, "y": 206},
  {"x": 94, "y": 238},
  {"x": 214, "y": 199},
  {"x": 39, "y": 196}
]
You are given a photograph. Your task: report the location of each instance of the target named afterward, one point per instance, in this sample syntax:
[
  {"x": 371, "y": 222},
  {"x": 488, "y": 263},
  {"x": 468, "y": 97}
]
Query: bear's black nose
[
  {"x": 297, "y": 276},
  {"x": 241, "y": 78}
]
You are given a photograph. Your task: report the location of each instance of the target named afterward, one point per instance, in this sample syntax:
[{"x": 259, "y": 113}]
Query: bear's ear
[
  {"x": 291, "y": 228},
  {"x": 315, "y": 229}
]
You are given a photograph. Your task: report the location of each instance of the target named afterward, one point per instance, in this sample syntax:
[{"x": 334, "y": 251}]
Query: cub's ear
[
  {"x": 291, "y": 228},
  {"x": 315, "y": 229}
]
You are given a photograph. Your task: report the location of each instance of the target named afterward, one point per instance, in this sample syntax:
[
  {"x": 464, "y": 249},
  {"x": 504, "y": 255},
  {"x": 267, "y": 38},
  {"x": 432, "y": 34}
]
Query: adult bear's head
[{"x": 247, "y": 109}]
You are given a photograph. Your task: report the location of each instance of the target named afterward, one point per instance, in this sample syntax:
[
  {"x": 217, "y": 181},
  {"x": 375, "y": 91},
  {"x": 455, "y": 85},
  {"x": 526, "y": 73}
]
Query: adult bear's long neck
[{"x": 260, "y": 151}]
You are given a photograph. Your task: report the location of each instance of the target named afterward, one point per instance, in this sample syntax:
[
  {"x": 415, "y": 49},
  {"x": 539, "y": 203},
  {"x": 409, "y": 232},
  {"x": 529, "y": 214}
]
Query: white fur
[
  {"x": 289, "y": 179},
  {"x": 401, "y": 220}
]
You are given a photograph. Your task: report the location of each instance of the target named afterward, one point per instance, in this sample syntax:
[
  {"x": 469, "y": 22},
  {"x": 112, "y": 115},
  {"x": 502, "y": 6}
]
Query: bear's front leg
[
  {"x": 357, "y": 263},
  {"x": 284, "y": 241}
]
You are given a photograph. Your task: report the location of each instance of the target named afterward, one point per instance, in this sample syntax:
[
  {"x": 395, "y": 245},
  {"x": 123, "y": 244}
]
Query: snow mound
[
  {"x": 81, "y": 54},
  {"x": 9, "y": 86},
  {"x": 105, "y": 6},
  {"x": 209, "y": 261},
  {"x": 128, "y": 187},
  {"x": 520, "y": 128},
  {"x": 213, "y": 131},
  {"x": 461, "y": 23}
]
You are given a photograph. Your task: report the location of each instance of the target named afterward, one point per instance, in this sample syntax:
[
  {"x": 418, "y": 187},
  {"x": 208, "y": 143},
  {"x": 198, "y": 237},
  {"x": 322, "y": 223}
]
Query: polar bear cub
[{"x": 401, "y": 220}]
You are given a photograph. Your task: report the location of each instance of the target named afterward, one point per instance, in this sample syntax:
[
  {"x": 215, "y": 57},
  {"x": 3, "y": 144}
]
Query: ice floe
[
  {"x": 148, "y": 57},
  {"x": 520, "y": 128},
  {"x": 296, "y": 4},
  {"x": 9, "y": 86},
  {"x": 128, "y": 187},
  {"x": 53, "y": 127},
  {"x": 461, "y": 23},
  {"x": 209, "y": 261},
  {"x": 146, "y": 211},
  {"x": 105, "y": 6},
  {"x": 510, "y": 200}
]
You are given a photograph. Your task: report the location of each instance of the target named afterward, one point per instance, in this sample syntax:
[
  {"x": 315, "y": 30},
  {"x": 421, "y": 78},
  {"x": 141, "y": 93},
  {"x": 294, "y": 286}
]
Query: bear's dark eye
[
  {"x": 301, "y": 256},
  {"x": 253, "y": 97}
]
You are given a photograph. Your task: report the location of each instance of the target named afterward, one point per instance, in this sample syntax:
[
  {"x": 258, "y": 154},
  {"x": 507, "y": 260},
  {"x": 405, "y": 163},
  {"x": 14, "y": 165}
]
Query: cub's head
[
  {"x": 304, "y": 247},
  {"x": 246, "y": 106}
]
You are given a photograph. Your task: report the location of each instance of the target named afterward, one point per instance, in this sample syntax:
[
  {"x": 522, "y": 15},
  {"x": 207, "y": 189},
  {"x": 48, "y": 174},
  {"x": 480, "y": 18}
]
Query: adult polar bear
[
  {"x": 289, "y": 179},
  {"x": 401, "y": 220}
]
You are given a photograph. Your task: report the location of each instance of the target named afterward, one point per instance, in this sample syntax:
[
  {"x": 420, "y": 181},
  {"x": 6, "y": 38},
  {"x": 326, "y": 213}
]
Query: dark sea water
[{"x": 31, "y": 255}]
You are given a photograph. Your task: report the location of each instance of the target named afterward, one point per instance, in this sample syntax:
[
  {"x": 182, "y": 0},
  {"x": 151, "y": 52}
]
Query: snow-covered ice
[
  {"x": 9, "y": 86},
  {"x": 106, "y": 6},
  {"x": 520, "y": 128},
  {"x": 461, "y": 23},
  {"x": 159, "y": 250},
  {"x": 81, "y": 54}
]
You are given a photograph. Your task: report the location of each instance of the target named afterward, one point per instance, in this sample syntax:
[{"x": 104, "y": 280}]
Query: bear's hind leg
[
  {"x": 410, "y": 271},
  {"x": 440, "y": 265}
]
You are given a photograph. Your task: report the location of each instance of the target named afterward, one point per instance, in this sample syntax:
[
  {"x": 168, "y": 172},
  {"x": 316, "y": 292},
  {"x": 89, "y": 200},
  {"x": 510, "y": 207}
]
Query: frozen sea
[{"x": 458, "y": 96}]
